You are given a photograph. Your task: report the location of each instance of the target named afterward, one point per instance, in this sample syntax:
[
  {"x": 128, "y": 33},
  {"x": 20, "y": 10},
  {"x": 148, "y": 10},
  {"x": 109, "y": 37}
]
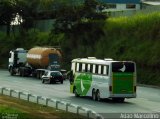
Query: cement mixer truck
[{"x": 34, "y": 62}]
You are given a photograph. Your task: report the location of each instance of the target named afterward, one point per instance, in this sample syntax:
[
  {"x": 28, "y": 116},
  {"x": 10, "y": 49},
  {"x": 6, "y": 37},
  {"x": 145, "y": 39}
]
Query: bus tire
[
  {"x": 75, "y": 93},
  {"x": 93, "y": 94},
  {"x": 98, "y": 97}
]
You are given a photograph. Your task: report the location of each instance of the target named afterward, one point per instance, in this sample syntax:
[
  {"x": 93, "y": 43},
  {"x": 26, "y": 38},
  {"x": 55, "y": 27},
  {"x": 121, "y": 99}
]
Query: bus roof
[{"x": 96, "y": 61}]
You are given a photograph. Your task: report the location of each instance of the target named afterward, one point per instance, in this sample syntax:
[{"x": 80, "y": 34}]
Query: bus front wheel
[{"x": 75, "y": 93}]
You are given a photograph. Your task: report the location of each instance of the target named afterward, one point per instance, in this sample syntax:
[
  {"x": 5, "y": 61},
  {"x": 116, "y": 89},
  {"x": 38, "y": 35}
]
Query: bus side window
[
  {"x": 96, "y": 69},
  {"x": 102, "y": 69},
  {"x": 88, "y": 68},
  {"x": 91, "y": 68},
  {"x": 83, "y": 67},
  {"x": 80, "y": 67},
  {"x": 77, "y": 68},
  {"x": 105, "y": 70},
  {"x": 99, "y": 69}
]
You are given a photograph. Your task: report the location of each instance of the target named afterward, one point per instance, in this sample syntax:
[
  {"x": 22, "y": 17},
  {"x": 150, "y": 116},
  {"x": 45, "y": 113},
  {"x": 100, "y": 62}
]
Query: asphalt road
[{"x": 147, "y": 101}]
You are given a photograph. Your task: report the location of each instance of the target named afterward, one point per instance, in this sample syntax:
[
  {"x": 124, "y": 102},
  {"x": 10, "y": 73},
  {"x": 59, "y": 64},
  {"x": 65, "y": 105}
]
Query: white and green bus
[{"x": 106, "y": 78}]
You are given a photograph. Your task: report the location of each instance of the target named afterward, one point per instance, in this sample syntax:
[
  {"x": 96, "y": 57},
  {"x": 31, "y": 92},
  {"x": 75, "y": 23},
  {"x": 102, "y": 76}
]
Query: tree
[
  {"x": 68, "y": 15},
  {"x": 27, "y": 9},
  {"x": 7, "y": 13}
]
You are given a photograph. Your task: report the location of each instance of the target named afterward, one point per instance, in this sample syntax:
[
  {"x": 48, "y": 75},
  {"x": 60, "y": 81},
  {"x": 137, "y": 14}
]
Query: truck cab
[{"x": 17, "y": 58}]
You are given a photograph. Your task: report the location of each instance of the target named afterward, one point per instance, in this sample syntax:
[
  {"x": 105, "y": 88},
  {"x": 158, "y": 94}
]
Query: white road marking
[
  {"x": 86, "y": 105},
  {"x": 66, "y": 100},
  {"x": 143, "y": 99},
  {"x": 157, "y": 110}
]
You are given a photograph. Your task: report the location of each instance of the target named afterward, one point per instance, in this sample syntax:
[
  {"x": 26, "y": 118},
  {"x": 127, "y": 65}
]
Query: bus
[{"x": 103, "y": 78}]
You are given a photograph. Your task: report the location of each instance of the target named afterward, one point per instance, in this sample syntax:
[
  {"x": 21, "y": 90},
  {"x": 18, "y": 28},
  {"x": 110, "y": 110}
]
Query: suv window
[
  {"x": 46, "y": 73},
  {"x": 55, "y": 74}
]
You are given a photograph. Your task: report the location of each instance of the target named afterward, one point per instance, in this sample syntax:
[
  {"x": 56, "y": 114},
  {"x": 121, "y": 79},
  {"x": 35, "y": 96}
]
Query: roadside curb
[{"x": 149, "y": 86}]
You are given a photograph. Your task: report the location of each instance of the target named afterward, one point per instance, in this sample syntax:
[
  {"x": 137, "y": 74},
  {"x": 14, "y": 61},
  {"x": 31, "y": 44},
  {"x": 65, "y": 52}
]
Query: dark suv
[{"x": 52, "y": 77}]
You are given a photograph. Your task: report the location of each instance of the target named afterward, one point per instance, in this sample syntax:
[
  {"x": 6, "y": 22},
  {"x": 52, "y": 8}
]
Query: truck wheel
[
  {"x": 38, "y": 75},
  {"x": 23, "y": 73},
  {"x": 20, "y": 73},
  {"x": 49, "y": 81},
  {"x": 11, "y": 72},
  {"x": 42, "y": 80}
]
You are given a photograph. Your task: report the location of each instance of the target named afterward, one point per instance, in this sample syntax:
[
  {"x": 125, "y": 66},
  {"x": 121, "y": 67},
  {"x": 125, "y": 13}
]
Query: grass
[{"x": 21, "y": 109}]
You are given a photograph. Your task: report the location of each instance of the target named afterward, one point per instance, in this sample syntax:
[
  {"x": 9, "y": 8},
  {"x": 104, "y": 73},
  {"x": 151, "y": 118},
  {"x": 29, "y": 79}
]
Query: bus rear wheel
[
  {"x": 98, "y": 98},
  {"x": 93, "y": 95}
]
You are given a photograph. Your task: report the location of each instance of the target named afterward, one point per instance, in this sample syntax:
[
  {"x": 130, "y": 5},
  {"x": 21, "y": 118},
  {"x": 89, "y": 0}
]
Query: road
[{"x": 147, "y": 101}]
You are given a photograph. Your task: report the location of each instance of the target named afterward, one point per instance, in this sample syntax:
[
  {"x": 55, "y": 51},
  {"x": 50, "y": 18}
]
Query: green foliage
[
  {"x": 7, "y": 13},
  {"x": 134, "y": 38}
]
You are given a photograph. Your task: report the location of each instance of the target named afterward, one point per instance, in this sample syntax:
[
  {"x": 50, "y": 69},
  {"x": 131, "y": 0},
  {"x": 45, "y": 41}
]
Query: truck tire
[
  {"x": 23, "y": 73},
  {"x": 43, "y": 81},
  {"x": 11, "y": 71}
]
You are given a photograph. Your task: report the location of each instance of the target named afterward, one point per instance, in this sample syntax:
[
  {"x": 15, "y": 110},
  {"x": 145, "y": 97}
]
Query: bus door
[{"x": 123, "y": 76}]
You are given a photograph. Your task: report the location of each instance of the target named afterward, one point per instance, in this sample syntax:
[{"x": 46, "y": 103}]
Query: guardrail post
[
  {"x": 2, "y": 90},
  {"x": 57, "y": 104},
  {"x": 19, "y": 95},
  {"x": 47, "y": 100},
  {"x": 67, "y": 105},
  {"x": 78, "y": 107},
  {"x": 38, "y": 99},
  {"x": 28, "y": 95},
  {"x": 88, "y": 113},
  {"x": 10, "y": 93}
]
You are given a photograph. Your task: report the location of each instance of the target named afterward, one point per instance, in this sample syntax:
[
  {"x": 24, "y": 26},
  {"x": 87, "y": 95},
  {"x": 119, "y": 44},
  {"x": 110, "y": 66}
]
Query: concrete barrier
[{"x": 89, "y": 113}]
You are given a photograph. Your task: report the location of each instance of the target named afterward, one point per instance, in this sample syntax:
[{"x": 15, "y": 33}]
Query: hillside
[{"x": 134, "y": 38}]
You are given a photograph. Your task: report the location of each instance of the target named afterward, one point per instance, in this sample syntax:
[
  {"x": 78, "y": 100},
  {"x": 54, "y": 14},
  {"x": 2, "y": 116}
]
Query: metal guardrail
[{"x": 89, "y": 113}]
